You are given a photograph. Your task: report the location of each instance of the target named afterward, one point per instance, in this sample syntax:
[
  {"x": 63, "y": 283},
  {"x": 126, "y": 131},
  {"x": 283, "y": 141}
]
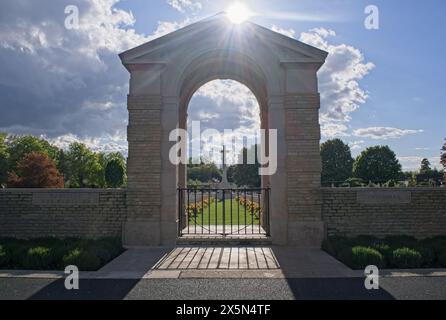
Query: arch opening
[{"x": 223, "y": 119}]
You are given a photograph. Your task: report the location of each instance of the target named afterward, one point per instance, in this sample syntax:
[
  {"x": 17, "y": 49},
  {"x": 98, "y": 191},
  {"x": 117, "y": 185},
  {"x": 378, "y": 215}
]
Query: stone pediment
[{"x": 218, "y": 33}]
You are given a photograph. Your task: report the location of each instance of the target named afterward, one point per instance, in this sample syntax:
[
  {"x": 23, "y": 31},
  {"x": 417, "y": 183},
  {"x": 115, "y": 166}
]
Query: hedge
[
  {"x": 401, "y": 252},
  {"x": 56, "y": 254}
]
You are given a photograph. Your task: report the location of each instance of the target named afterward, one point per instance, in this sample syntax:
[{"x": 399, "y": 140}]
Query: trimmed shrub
[
  {"x": 85, "y": 260},
  {"x": 397, "y": 251},
  {"x": 56, "y": 254},
  {"x": 112, "y": 245},
  {"x": 396, "y": 242},
  {"x": 337, "y": 244},
  {"x": 406, "y": 258},
  {"x": 365, "y": 241},
  {"x": 437, "y": 244},
  {"x": 428, "y": 256},
  {"x": 37, "y": 258},
  {"x": 4, "y": 257},
  {"x": 385, "y": 250},
  {"x": 442, "y": 259},
  {"x": 361, "y": 257}
]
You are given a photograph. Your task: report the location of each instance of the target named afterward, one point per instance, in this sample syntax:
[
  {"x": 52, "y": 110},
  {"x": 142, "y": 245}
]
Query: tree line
[
  {"x": 31, "y": 162},
  {"x": 375, "y": 165},
  {"x": 242, "y": 175}
]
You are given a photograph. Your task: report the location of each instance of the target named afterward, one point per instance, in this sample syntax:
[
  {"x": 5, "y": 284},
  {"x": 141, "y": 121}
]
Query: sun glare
[{"x": 238, "y": 13}]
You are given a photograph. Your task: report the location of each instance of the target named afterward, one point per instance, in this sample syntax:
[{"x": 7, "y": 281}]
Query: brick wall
[
  {"x": 380, "y": 212},
  {"x": 26, "y": 213}
]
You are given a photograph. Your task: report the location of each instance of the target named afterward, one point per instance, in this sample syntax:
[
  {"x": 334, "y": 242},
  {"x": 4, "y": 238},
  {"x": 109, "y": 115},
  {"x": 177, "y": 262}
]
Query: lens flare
[{"x": 238, "y": 13}]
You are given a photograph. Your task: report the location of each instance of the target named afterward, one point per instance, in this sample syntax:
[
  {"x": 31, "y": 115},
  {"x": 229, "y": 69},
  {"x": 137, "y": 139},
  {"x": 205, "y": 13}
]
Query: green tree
[
  {"x": 203, "y": 173},
  {"x": 377, "y": 164},
  {"x": 84, "y": 167},
  {"x": 427, "y": 175},
  {"x": 247, "y": 174},
  {"x": 337, "y": 162},
  {"x": 425, "y": 166},
  {"x": 443, "y": 159},
  {"x": 4, "y": 159},
  {"x": 115, "y": 173},
  {"x": 20, "y": 146}
]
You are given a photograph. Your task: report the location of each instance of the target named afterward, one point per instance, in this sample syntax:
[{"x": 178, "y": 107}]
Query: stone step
[{"x": 224, "y": 242}]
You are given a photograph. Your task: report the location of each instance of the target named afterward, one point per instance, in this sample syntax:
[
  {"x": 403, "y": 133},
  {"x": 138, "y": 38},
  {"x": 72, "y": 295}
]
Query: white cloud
[
  {"x": 186, "y": 5},
  {"x": 105, "y": 144},
  {"x": 286, "y": 32},
  {"x": 223, "y": 105},
  {"x": 356, "y": 145},
  {"x": 331, "y": 129},
  {"x": 59, "y": 82},
  {"x": 68, "y": 85},
  {"x": 165, "y": 27},
  {"x": 339, "y": 78},
  {"x": 384, "y": 133},
  {"x": 411, "y": 163},
  {"x": 423, "y": 149}
]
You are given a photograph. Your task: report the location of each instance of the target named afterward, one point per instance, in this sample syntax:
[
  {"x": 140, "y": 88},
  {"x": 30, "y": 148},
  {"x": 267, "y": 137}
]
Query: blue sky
[{"x": 401, "y": 86}]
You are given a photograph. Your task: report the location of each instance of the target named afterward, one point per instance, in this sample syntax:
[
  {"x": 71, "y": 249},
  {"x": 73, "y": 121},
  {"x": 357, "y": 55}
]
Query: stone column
[
  {"x": 278, "y": 181},
  {"x": 142, "y": 227},
  {"x": 144, "y": 135},
  {"x": 169, "y": 173},
  {"x": 305, "y": 226}
]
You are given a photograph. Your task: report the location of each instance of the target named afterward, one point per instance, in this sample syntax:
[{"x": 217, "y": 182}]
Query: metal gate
[{"x": 223, "y": 212}]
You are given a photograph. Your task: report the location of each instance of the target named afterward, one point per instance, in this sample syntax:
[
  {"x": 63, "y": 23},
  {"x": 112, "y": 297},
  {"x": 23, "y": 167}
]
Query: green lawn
[{"x": 216, "y": 216}]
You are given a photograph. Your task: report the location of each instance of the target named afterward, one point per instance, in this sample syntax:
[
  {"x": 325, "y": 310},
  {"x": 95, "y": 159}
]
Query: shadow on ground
[
  {"x": 214, "y": 289},
  {"x": 95, "y": 289},
  {"x": 284, "y": 274},
  {"x": 335, "y": 289}
]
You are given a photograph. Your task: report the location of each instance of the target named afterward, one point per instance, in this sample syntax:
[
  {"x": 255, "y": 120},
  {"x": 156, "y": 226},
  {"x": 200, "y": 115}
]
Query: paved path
[
  {"x": 215, "y": 258},
  {"x": 226, "y": 262},
  {"x": 191, "y": 273},
  {"x": 226, "y": 289}
]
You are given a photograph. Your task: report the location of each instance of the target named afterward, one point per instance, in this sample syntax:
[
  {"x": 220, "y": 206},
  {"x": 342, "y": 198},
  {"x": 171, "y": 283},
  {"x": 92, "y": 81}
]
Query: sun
[{"x": 238, "y": 13}]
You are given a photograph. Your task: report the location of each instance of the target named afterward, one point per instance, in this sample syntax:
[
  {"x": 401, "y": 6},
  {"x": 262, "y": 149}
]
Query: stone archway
[{"x": 282, "y": 74}]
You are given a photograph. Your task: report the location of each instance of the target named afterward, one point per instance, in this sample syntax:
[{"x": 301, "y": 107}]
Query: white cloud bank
[
  {"x": 384, "y": 133},
  {"x": 70, "y": 84},
  {"x": 186, "y": 5}
]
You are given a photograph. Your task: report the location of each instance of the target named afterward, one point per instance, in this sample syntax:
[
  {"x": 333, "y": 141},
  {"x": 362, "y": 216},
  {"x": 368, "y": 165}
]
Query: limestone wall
[
  {"x": 27, "y": 213},
  {"x": 420, "y": 212}
]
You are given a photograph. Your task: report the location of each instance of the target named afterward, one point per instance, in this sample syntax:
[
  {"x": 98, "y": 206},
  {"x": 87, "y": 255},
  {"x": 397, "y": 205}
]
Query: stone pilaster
[
  {"x": 144, "y": 171},
  {"x": 303, "y": 166},
  {"x": 278, "y": 182},
  {"x": 169, "y": 173}
]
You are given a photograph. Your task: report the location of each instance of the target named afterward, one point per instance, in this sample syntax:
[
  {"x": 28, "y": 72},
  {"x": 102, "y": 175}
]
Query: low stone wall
[
  {"x": 419, "y": 212},
  {"x": 96, "y": 213},
  {"x": 86, "y": 213}
]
